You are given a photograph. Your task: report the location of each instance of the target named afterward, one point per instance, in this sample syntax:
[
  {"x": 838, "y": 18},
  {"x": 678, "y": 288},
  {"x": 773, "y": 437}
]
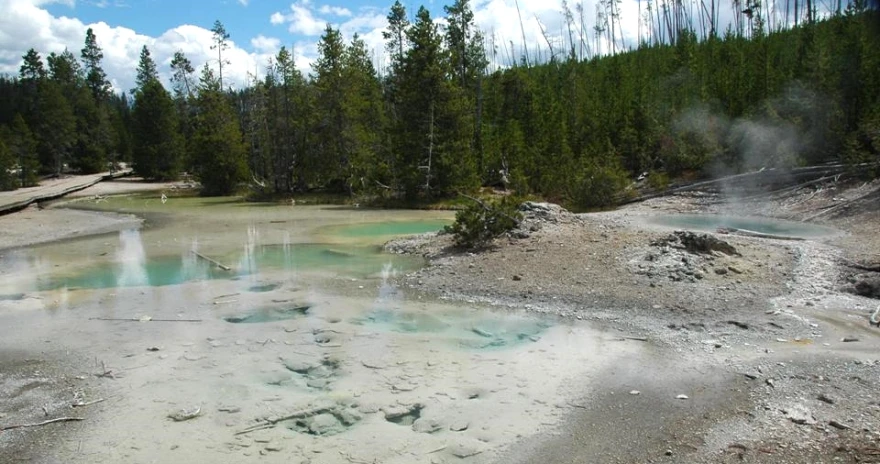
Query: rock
[
  {"x": 634, "y": 392},
  {"x": 274, "y": 448},
  {"x": 461, "y": 450},
  {"x": 318, "y": 383},
  {"x": 425, "y": 425},
  {"x": 369, "y": 408},
  {"x": 703, "y": 244},
  {"x": 734, "y": 270},
  {"x": 849, "y": 339},
  {"x": 517, "y": 277},
  {"x": 153, "y": 348},
  {"x": 300, "y": 366},
  {"x": 825, "y": 399},
  {"x": 869, "y": 287},
  {"x": 325, "y": 424},
  {"x": 681, "y": 397},
  {"x": 721, "y": 270},
  {"x": 800, "y": 415},
  {"x": 185, "y": 414},
  {"x": 838, "y": 425},
  {"x": 459, "y": 425}
]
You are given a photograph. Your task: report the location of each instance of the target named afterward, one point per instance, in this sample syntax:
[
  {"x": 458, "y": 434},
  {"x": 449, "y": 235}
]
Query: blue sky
[{"x": 154, "y": 17}]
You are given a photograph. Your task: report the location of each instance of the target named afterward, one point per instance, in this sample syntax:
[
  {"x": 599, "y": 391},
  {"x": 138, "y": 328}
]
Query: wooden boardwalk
[{"x": 50, "y": 189}]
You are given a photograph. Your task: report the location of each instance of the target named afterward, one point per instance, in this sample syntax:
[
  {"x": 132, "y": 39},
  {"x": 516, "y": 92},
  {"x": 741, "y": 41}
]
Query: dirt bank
[
  {"x": 794, "y": 359},
  {"x": 51, "y": 222}
]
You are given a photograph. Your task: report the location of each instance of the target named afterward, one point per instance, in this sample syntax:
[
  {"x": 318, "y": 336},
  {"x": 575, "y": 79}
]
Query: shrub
[
  {"x": 599, "y": 185},
  {"x": 481, "y": 222}
]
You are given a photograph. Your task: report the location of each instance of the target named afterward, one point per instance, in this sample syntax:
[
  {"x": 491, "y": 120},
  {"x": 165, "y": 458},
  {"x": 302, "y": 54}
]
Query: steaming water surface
[{"x": 713, "y": 222}]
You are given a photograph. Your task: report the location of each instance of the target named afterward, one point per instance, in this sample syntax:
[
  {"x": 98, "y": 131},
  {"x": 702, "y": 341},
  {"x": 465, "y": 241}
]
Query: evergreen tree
[
  {"x": 32, "y": 68},
  {"x": 146, "y": 70},
  {"x": 7, "y": 179},
  {"x": 369, "y": 158},
  {"x": 467, "y": 59},
  {"x": 65, "y": 70},
  {"x": 221, "y": 44},
  {"x": 182, "y": 76},
  {"x": 23, "y": 148},
  {"x": 95, "y": 136},
  {"x": 158, "y": 146},
  {"x": 217, "y": 148},
  {"x": 96, "y": 78},
  {"x": 332, "y": 125},
  {"x": 432, "y": 140},
  {"x": 55, "y": 129},
  {"x": 31, "y": 74}
]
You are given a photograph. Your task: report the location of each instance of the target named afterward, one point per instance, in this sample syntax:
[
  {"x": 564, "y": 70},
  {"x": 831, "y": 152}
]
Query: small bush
[
  {"x": 599, "y": 185},
  {"x": 480, "y": 223},
  {"x": 658, "y": 180}
]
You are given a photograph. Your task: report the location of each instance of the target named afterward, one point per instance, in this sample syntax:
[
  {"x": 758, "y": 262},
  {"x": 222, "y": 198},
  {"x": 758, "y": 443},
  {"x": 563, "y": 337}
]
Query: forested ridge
[{"x": 575, "y": 127}]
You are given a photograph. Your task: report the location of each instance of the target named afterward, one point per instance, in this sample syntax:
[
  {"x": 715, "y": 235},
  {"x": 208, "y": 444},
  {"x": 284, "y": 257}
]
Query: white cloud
[
  {"x": 265, "y": 44},
  {"x": 25, "y": 25},
  {"x": 244, "y": 2},
  {"x": 334, "y": 10},
  {"x": 277, "y": 18},
  {"x": 301, "y": 19}
]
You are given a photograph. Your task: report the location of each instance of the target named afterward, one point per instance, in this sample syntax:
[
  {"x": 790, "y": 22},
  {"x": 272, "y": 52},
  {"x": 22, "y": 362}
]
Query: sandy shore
[{"x": 36, "y": 225}]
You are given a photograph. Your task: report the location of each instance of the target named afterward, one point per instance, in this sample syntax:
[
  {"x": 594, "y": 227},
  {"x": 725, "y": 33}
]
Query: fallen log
[
  {"x": 50, "y": 421},
  {"x": 212, "y": 261},
  {"x": 134, "y": 319},
  {"x": 296, "y": 415}
]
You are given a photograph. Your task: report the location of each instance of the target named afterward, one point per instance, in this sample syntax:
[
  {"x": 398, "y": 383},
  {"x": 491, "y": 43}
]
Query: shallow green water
[
  {"x": 391, "y": 228},
  {"x": 712, "y": 222},
  {"x": 469, "y": 329},
  {"x": 138, "y": 270},
  {"x": 263, "y": 315}
]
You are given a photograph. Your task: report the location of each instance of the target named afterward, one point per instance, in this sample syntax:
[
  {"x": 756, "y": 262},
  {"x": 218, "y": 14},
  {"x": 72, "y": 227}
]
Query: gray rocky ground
[{"x": 776, "y": 332}]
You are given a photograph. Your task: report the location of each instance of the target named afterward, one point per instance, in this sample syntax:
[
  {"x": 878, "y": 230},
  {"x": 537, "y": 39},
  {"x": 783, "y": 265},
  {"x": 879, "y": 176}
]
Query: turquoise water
[
  {"x": 468, "y": 329},
  {"x": 391, "y": 228},
  {"x": 713, "y": 222},
  {"x": 137, "y": 270},
  {"x": 263, "y": 315}
]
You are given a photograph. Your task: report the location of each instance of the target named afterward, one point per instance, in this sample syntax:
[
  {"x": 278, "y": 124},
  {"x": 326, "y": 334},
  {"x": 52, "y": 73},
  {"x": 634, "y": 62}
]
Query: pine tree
[
  {"x": 331, "y": 125},
  {"x": 55, "y": 129},
  {"x": 468, "y": 62},
  {"x": 96, "y": 78},
  {"x": 182, "y": 76},
  {"x": 217, "y": 148},
  {"x": 158, "y": 146},
  {"x": 31, "y": 74},
  {"x": 370, "y": 163},
  {"x": 23, "y": 149},
  {"x": 433, "y": 131},
  {"x": 146, "y": 70},
  {"x": 65, "y": 70},
  {"x": 221, "y": 44},
  {"x": 7, "y": 162},
  {"x": 32, "y": 68},
  {"x": 95, "y": 136}
]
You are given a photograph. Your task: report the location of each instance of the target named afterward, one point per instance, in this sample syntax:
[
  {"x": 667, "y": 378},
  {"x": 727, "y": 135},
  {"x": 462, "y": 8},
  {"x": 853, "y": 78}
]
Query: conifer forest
[{"x": 450, "y": 109}]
